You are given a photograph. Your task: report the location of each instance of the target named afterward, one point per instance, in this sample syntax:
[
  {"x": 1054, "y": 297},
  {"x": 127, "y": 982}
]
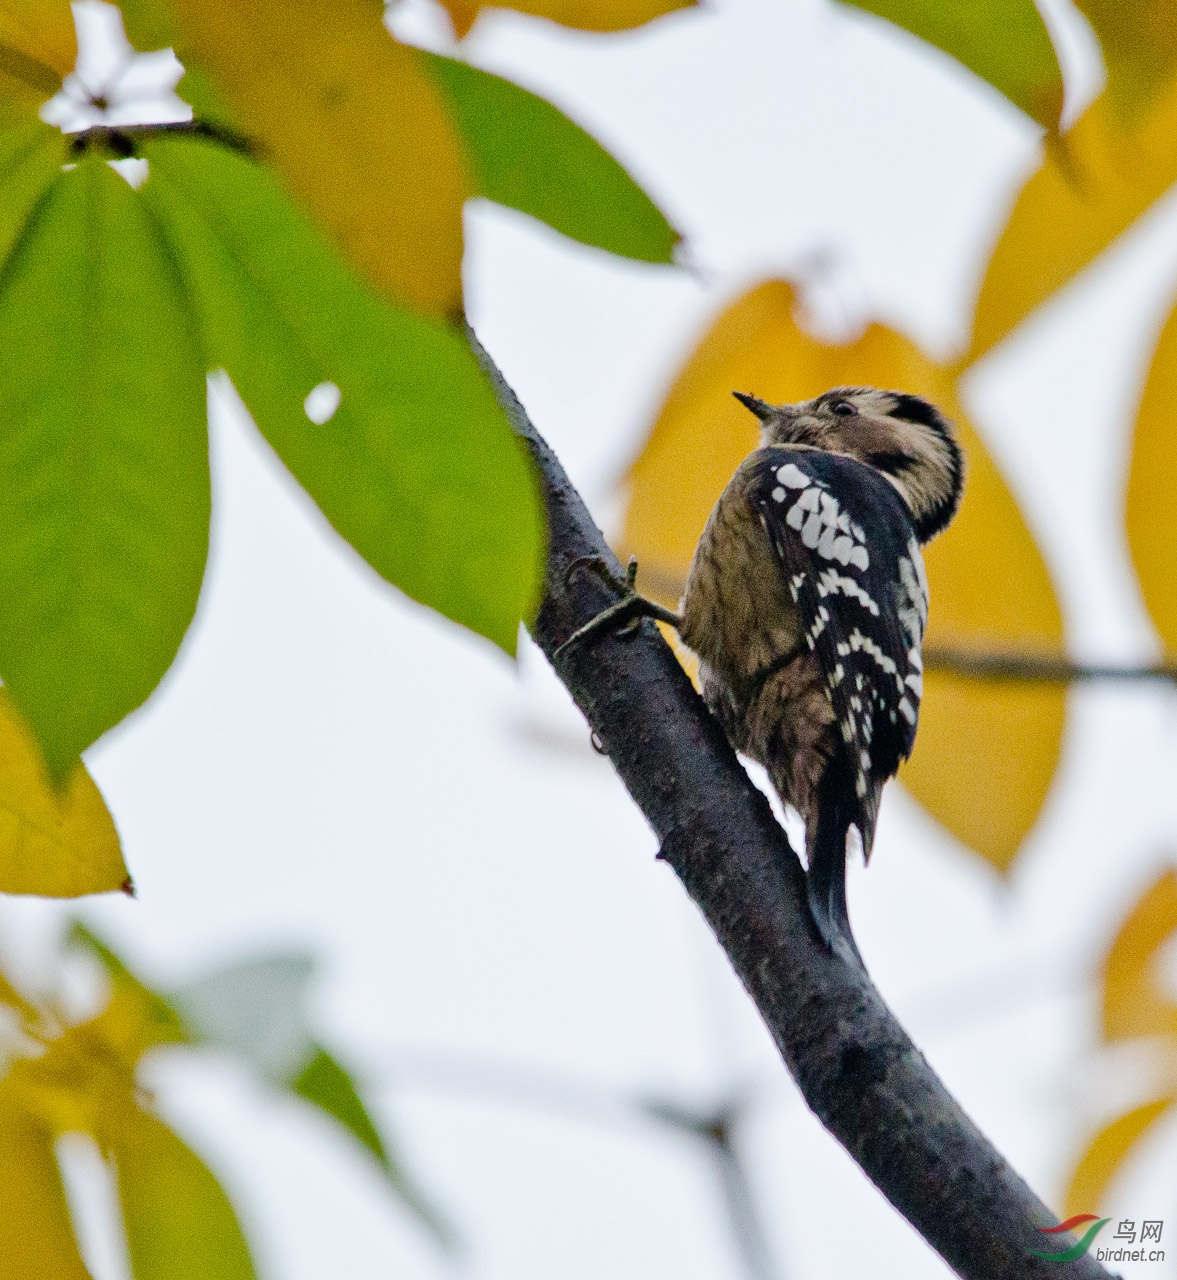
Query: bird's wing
[{"x": 848, "y": 552}]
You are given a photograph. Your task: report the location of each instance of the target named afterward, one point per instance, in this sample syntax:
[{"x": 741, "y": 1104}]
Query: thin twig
[
  {"x": 997, "y": 665},
  {"x": 717, "y": 1129},
  {"x": 588, "y": 1102},
  {"x": 853, "y": 1062},
  {"x": 1035, "y": 669}
]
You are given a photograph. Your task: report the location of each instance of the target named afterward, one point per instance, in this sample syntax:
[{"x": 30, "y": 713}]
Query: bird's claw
[{"x": 624, "y": 615}]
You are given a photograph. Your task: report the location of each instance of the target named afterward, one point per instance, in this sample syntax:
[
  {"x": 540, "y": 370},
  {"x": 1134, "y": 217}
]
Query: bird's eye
[{"x": 844, "y": 409}]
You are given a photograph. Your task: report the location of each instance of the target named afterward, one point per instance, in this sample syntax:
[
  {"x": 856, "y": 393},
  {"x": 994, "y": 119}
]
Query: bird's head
[{"x": 905, "y": 437}]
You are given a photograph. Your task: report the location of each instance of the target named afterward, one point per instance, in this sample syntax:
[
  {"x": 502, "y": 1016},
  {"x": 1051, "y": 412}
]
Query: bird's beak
[{"x": 761, "y": 408}]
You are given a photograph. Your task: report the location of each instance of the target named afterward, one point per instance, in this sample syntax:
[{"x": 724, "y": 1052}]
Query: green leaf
[
  {"x": 179, "y": 1222},
  {"x": 418, "y": 468},
  {"x": 527, "y": 154},
  {"x": 326, "y": 1085},
  {"x": 103, "y": 463},
  {"x": 1139, "y": 42},
  {"x": 1003, "y": 41},
  {"x": 587, "y": 15},
  {"x": 30, "y": 159}
]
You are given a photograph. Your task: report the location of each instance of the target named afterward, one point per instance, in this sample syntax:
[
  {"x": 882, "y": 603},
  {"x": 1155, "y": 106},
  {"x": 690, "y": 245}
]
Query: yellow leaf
[
  {"x": 1150, "y": 514},
  {"x": 1108, "y": 1150},
  {"x": 81, "y": 1079},
  {"x": 28, "y": 1013},
  {"x": 59, "y": 844},
  {"x": 76, "y": 1084},
  {"x": 1092, "y": 185},
  {"x": 135, "y": 1018},
  {"x": 1135, "y": 1002},
  {"x": 1139, "y": 40},
  {"x": 36, "y": 1238},
  {"x": 42, "y": 30},
  {"x": 587, "y": 15},
  {"x": 353, "y": 125},
  {"x": 37, "y": 49},
  {"x": 985, "y": 754}
]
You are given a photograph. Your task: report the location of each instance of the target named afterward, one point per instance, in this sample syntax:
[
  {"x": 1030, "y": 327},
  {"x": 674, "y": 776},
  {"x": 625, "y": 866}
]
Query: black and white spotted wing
[{"x": 849, "y": 555}]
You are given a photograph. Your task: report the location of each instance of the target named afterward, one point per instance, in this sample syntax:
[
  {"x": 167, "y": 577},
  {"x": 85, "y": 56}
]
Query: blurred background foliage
[
  {"x": 77, "y": 1074},
  {"x": 307, "y": 238}
]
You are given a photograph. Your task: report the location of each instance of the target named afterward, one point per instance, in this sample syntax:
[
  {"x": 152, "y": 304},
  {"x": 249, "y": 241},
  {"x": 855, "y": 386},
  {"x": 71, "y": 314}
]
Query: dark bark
[{"x": 855, "y": 1065}]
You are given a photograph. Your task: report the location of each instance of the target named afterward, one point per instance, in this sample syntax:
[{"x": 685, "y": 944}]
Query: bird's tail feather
[{"x": 826, "y": 881}]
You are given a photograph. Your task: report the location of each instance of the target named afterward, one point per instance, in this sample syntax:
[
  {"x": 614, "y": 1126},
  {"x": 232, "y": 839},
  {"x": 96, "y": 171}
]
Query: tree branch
[{"x": 854, "y": 1064}]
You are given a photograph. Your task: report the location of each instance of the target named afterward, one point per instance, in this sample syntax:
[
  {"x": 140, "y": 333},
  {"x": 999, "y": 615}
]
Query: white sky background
[{"x": 332, "y": 768}]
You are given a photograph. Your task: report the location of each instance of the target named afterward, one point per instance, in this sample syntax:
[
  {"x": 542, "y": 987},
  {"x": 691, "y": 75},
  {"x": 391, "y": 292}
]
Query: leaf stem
[{"x": 122, "y": 140}]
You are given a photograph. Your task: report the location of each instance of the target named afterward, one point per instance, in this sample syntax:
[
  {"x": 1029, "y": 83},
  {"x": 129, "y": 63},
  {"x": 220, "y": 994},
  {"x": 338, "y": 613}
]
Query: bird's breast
[{"x": 737, "y": 612}]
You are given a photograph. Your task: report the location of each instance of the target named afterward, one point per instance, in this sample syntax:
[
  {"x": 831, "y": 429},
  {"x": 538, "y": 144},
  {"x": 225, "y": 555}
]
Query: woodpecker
[{"x": 806, "y": 603}]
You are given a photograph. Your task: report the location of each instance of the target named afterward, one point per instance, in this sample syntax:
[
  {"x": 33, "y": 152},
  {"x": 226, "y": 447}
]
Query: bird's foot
[{"x": 621, "y": 617}]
